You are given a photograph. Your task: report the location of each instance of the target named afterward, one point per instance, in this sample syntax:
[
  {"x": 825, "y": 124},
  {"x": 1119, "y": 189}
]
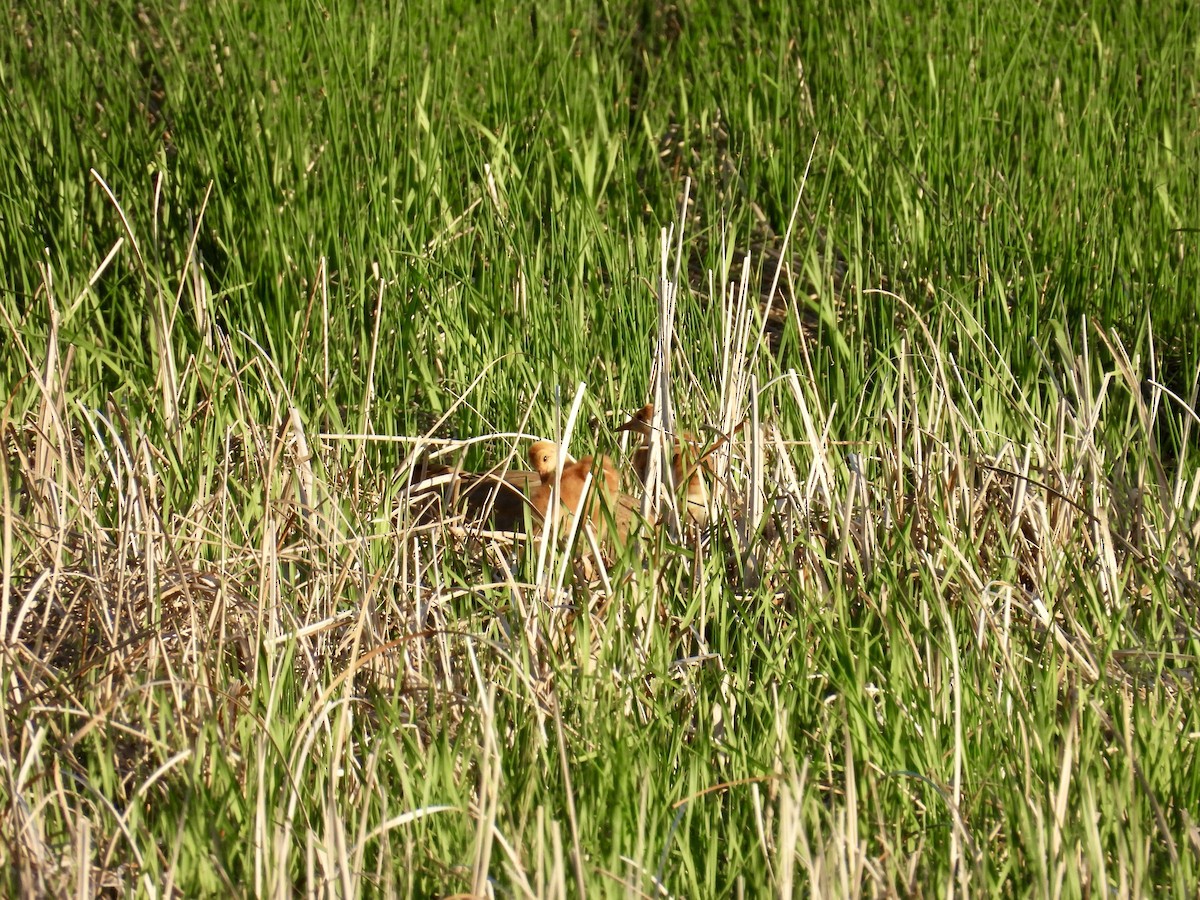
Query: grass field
[{"x": 260, "y": 264}]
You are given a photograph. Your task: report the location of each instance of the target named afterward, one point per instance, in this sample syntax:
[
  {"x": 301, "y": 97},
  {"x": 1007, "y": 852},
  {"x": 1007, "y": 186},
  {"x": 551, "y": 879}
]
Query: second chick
[{"x": 604, "y": 496}]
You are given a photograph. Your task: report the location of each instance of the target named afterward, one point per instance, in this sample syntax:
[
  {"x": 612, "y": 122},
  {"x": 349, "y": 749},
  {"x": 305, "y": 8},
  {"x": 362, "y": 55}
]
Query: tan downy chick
[
  {"x": 606, "y": 484},
  {"x": 686, "y": 462}
]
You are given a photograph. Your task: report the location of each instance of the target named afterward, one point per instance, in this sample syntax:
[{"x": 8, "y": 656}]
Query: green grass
[{"x": 233, "y": 660}]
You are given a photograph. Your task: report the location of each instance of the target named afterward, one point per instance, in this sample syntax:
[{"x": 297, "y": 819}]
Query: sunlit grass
[{"x": 955, "y": 650}]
